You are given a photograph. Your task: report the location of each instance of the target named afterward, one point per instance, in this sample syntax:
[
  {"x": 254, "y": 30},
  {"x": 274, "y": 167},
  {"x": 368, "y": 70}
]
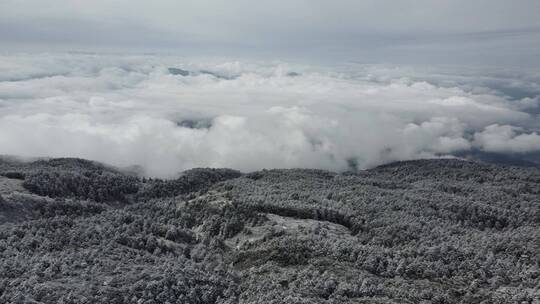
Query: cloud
[
  {"x": 497, "y": 138},
  {"x": 130, "y": 110}
]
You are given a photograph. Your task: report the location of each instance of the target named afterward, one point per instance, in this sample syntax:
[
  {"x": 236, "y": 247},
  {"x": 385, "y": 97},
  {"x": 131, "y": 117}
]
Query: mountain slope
[{"x": 432, "y": 231}]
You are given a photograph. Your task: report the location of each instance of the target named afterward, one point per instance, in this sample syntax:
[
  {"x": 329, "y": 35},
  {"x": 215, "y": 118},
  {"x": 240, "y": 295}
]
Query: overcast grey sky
[{"x": 406, "y": 31}]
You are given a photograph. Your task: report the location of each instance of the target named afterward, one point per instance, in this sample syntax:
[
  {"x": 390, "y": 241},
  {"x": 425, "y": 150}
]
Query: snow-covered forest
[{"x": 426, "y": 231}]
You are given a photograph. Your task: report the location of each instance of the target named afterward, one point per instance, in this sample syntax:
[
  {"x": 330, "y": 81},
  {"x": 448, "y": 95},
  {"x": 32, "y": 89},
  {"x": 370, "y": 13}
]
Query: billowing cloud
[
  {"x": 497, "y": 138},
  {"x": 131, "y": 110}
]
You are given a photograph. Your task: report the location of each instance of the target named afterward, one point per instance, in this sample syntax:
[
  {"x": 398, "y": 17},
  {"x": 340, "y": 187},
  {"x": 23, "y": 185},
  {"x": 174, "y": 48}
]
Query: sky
[
  {"x": 480, "y": 32},
  {"x": 171, "y": 85}
]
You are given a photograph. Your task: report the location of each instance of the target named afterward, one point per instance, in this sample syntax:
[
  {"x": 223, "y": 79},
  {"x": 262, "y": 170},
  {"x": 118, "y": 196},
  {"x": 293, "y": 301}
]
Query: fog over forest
[{"x": 167, "y": 113}]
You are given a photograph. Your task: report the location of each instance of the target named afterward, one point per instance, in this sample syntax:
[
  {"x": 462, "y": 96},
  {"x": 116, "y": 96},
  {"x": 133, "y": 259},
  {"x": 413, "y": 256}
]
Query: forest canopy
[{"x": 426, "y": 231}]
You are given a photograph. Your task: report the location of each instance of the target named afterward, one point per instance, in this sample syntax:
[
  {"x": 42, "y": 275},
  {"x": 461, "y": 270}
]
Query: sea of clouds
[{"x": 133, "y": 110}]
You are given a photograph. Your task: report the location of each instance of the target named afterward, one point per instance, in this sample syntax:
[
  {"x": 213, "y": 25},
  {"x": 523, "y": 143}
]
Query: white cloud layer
[
  {"x": 129, "y": 110},
  {"x": 496, "y": 138}
]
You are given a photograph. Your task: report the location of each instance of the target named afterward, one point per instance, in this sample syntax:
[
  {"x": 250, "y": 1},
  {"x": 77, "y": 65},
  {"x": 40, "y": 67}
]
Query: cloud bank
[{"x": 131, "y": 110}]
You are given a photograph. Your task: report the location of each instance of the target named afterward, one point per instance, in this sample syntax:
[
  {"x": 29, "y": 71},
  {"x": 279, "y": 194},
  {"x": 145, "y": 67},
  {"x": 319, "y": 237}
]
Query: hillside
[{"x": 426, "y": 231}]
